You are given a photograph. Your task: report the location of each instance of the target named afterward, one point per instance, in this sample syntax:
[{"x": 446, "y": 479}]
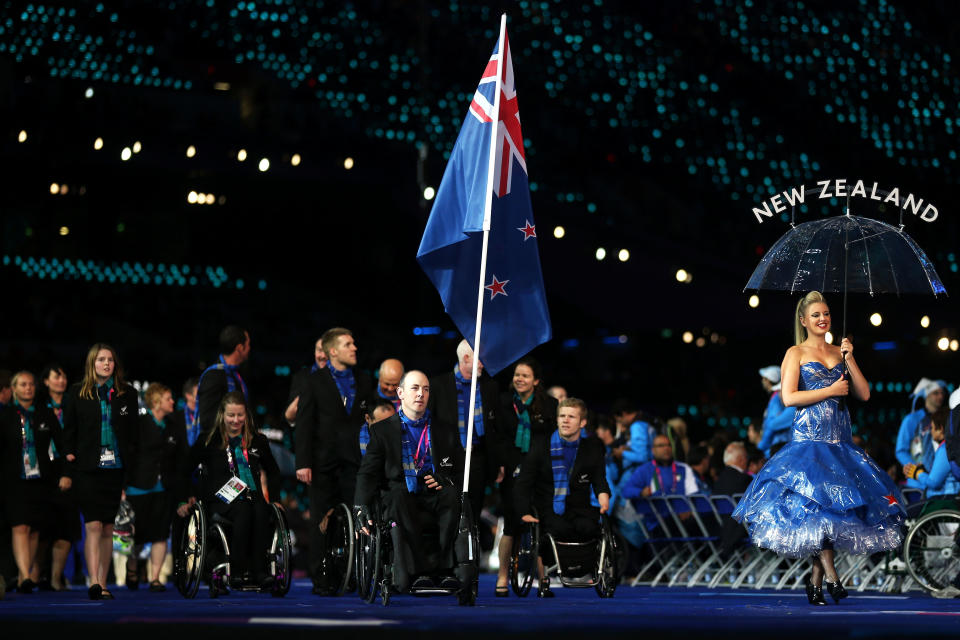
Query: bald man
[
  {"x": 420, "y": 463},
  {"x": 449, "y": 400},
  {"x": 391, "y": 370}
]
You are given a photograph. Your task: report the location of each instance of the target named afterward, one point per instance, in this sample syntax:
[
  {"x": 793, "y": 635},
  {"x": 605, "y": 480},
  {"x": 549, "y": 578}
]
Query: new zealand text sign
[{"x": 842, "y": 188}]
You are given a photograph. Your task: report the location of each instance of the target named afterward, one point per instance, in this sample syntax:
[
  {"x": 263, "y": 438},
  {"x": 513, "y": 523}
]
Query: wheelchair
[
  {"x": 604, "y": 557},
  {"x": 374, "y": 560},
  {"x": 931, "y": 548},
  {"x": 339, "y": 561},
  {"x": 204, "y": 554}
]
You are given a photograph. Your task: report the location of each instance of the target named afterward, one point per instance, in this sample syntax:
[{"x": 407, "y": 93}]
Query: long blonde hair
[
  {"x": 220, "y": 424},
  {"x": 800, "y": 331},
  {"x": 89, "y": 383}
]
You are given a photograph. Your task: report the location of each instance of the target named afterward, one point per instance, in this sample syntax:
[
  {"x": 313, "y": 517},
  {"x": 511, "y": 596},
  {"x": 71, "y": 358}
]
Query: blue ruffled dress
[{"x": 820, "y": 487}]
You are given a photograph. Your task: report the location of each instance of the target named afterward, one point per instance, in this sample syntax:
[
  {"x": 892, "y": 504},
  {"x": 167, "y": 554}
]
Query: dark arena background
[{"x": 171, "y": 167}]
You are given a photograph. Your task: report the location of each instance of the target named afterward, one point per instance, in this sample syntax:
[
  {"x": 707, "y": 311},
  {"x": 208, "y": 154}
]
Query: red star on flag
[
  {"x": 890, "y": 499},
  {"x": 497, "y": 287},
  {"x": 529, "y": 231}
]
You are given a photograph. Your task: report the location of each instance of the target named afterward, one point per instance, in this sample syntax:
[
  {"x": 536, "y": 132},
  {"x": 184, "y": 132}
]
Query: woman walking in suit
[{"x": 100, "y": 426}]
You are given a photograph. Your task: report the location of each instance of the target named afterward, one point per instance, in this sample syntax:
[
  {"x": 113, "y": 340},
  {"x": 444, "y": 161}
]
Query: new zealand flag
[{"x": 515, "y": 315}]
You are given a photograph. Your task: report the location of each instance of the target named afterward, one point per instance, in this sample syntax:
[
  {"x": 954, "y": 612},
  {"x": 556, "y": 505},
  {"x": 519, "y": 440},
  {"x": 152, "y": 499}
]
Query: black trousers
[
  {"x": 249, "y": 536},
  {"x": 575, "y": 525},
  {"x": 417, "y": 514},
  {"x": 478, "y": 480},
  {"x": 326, "y": 491}
]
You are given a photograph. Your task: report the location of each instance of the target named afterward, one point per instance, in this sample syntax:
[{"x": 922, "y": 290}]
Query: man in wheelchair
[
  {"x": 564, "y": 479},
  {"x": 415, "y": 469}
]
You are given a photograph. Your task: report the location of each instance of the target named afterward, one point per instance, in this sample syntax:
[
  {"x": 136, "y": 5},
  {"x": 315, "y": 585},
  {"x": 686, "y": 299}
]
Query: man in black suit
[
  {"x": 418, "y": 464},
  {"x": 732, "y": 480},
  {"x": 449, "y": 403},
  {"x": 299, "y": 381},
  {"x": 328, "y": 429},
  {"x": 557, "y": 477},
  {"x": 222, "y": 377}
]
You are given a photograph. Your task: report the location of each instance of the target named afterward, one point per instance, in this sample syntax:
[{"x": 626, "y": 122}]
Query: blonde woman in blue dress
[{"x": 820, "y": 493}]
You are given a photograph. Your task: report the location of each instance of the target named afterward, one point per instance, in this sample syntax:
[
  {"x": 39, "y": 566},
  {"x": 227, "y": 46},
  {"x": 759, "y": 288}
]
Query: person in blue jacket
[
  {"x": 914, "y": 442},
  {"x": 938, "y": 480},
  {"x": 777, "y": 419}
]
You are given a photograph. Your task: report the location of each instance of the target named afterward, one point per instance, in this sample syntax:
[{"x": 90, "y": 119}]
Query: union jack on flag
[
  {"x": 515, "y": 314},
  {"x": 509, "y": 136}
]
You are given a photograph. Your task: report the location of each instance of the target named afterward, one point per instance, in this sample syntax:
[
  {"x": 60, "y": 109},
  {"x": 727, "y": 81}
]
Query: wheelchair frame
[
  {"x": 374, "y": 564},
  {"x": 526, "y": 548},
  {"x": 191, "y": 563}
]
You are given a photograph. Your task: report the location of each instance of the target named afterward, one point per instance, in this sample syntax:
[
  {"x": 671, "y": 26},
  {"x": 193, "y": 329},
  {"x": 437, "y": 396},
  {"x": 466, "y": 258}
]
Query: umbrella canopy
[{"x": 880, "y": 258}]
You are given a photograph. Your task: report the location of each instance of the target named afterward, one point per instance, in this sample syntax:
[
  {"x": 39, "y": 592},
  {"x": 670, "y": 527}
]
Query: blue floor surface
[{"x": 573, "y": 612}]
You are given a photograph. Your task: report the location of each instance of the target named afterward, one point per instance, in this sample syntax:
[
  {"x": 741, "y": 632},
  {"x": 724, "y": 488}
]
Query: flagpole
[{"x": 487, "y": 209}]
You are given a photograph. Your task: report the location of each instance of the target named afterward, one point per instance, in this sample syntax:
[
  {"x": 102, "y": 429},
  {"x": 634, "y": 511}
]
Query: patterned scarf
[
  {"x": 415, "y": 448},
  {"x": 193, "y": 424},
  {"x": 29, "y": 440},
  {"x": 393, "y": 399},
  {"x": 57, "y": 408},
  {"x": 364, "y": 438},
  {"x": 108, "y": 438},
  {"x": 239, "y": 465},
  {"x": 233, "y": 376},
  {"x": 346, "y": 385},
  {"x": 463, "y": 397},
  {"x": 562, "y": 463},
  {"x": 522, "y": 409}
]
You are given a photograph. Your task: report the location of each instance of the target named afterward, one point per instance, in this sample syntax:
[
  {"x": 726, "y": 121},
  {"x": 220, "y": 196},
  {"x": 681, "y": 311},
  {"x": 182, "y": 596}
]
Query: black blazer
[
  {"x": 298, "y": 383},
  {"x": 731, "y": 481},
  {"x": 45, "y": 427},
  {"x": 160, "y": 453},
  {"x": 383, "y": 464},
  {"x": 444, "y": 407},
  {"x": 534, "y": 485},
  {"x": 212, "y": 388},
  {"x": 543, "y": 422},
  {"x": 216, "y": 467},
  {"x": 81, "y": 427},
  {"x": 325, "y": 433}
]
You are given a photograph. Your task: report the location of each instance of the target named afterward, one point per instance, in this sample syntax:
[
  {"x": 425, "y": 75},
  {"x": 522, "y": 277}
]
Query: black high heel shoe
[
  {"x": 837, "y": 592},
  {"x": 815, "y": 595}
]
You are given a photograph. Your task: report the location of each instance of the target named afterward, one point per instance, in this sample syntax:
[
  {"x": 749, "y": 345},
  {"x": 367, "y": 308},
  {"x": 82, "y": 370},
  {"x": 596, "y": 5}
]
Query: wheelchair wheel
[
  {"x": 193, "y": 551},
  {"x": 931, "y": 549},
  {"x": 368, "y": 563},
  {"x": 340, "y": 554},
  {"x": 523, "y": 559},
  {"x": 607, "y": 573},
  {"x": 280, "y": 553}
]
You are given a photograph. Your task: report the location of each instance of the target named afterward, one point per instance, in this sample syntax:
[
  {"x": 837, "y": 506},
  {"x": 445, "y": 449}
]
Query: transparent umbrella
[{"x": 846, "y": 253}]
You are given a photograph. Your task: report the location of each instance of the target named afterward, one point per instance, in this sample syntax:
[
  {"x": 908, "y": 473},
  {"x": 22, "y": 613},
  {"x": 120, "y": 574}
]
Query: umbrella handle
[{"x": 842, "y": 403}]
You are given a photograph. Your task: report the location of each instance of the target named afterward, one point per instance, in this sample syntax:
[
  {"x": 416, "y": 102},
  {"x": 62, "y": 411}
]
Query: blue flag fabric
[{"x": 515, "y": 314}]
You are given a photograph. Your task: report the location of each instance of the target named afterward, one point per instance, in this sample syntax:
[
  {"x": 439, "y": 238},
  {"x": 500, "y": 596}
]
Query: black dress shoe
[
  {"x": 449, "y": 582},
  {"x": 423, "y": 582},
  {"x": 815, "y": 595},
  {"x": 94, "y": 591},
  {"x": 26, "y": 586},
  {"x": 502, "y": 592},
  {"x": 544, "y": 591},
  {"x": 837, "y": 592}
]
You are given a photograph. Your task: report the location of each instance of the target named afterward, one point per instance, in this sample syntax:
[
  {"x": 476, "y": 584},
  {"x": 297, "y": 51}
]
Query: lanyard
[
  {"x": 424, "y": 437},
  {"x": 23, "y": 432},
  {"x": 673, "y": 475},
  {"x": 233, "y": 468}
]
